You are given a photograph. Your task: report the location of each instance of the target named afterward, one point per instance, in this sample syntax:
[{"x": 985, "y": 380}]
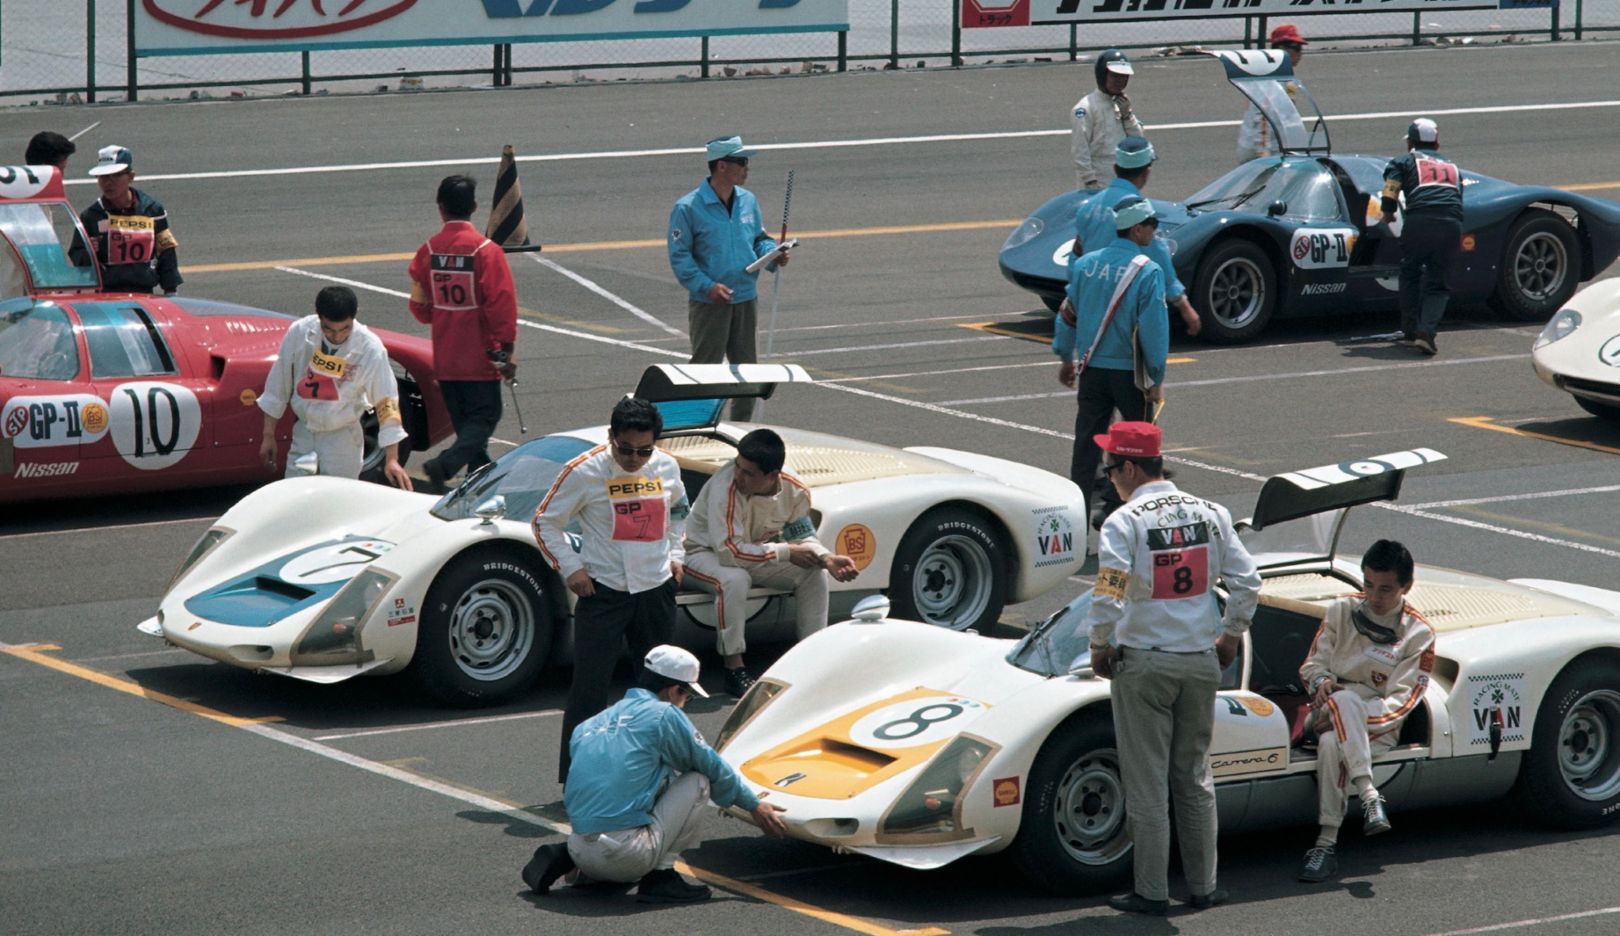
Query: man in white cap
[
  {"x": 640, "y": 774},
  {"x": 1255, "y": 138},
  {"x": 715, "y": 232},
  {"x": 1101, "y": 119},
  {"x": 133, "y": 243},
  {"x": 1431, "y": 232}
]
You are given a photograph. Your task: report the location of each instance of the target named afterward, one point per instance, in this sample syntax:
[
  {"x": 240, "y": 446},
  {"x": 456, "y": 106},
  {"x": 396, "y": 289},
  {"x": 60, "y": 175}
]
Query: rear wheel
[
  {"x": 1571, "y": 778},
  {"x": 1540, "y": 267},
  {"x": 485, "y": 633},
  {"x": 1073, "y": 835},
  {"x": 1235, "y": 292},
  {"x": 950, "y": 570}
]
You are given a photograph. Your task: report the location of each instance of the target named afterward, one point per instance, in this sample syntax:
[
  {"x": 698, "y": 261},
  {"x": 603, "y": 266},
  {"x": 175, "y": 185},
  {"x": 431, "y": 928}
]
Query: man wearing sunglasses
[
  {"x": 631, "y": 506},
  {"x": 714, "y": 234},
  {"x": 1160, "y": 634}
]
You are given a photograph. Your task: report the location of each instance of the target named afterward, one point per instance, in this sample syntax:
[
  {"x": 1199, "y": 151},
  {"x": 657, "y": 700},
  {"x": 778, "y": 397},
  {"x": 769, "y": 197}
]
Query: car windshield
[
  {"x": 39, "y": 234},
  {"x": 1303, "y": 185},
  {"x": 522, "y": 476},
  {"x": 1052, "y": 648}
]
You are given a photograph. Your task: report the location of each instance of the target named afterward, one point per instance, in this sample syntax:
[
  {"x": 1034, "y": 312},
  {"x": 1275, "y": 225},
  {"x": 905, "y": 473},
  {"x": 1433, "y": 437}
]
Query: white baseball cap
[
  {"x": 675, "y": 663},
  {"x": 112, "y": 160}
]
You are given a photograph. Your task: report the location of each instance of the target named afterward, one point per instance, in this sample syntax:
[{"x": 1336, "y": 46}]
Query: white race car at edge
[{"x": 1579, "y": 349}]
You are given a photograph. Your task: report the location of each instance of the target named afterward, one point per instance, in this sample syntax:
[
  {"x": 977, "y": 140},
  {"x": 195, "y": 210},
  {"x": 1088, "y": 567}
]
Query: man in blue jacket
[
  {"x": 714, "y": 234},
  {"x": 639, "y": 774},
  {"x": 1118, "y": 295}
]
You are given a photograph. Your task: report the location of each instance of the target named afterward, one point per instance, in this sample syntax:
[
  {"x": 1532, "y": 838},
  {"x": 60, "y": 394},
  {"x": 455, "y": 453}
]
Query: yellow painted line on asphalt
[
  {"x": 995, "y": 329},
  {"x": 1558, "y": 529},
  {"x": 1588, "y": 186},
  {"x": 586, "y": 246},
  {"x": 1488, "y": 422},
  {"x": 39, "y": 653}
]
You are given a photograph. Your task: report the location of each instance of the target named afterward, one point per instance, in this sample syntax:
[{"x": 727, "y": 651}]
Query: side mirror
[
  {"x": 1276, "y": 209},
  {"x": 871, "y": 609},
  {"x": 491, "y": 510}
]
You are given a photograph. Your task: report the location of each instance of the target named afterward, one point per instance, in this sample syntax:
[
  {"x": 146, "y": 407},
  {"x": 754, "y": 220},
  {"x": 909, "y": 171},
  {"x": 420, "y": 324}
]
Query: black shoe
[
  {"x": 665, "y": 886},
  {"x": 1407, "y": 337},
  {"x": 1425, "y": 344},
  {"x": 1374, "y": 818},
  {"x": 738, "y": 681},
  {"x": 1136, "y": 903},
  {"x": 1321, "y": 863},
  {"x": 549, "y": 863},
  {"x": 435, "y": 480},
  {"x": 1214, "y": 898}
]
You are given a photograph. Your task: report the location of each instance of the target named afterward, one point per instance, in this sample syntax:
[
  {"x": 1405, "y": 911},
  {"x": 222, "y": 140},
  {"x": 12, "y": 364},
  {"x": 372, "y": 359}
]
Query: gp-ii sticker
[
  {"x": 1054, "y": 536},
  {"x": 45, "y": 421},
  {"x": 1322, "y": 248},
  {"x": 1495, "y": 700}
]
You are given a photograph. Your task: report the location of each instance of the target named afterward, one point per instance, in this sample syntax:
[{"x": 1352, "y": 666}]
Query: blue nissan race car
[{"x": 1299, "y": 234}]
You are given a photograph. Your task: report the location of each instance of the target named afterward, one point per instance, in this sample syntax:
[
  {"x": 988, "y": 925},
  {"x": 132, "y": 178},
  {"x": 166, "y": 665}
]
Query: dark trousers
[
  {"x": 725, "y": 333},
  {"x": 603, "y": 623},
  {"x": 1101, "y": 392},
  {"x": 475, "y": 408},
  {"x": 1428, "y": 248}
]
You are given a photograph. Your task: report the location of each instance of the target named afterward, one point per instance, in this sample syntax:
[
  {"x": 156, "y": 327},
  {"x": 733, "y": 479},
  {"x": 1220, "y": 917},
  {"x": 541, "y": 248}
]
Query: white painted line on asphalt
[
  {"x": 1504, "y": 498},
  {"x": 938, "y": 373},
  {"x": 423, "y": 726},
  {"x": 633, "y": 309},
  {"x": 889, "y": 347},
  {"x": 84, "y": 131},
  {"x": 503, "y": 442},
  {"x": 105, "y": 527},
  {"x": 346, "y": 282},
  {"x": 824, "y": 144},
  {"x": 131, "y": 656},
  {"x": 1540, "y": 921},
  {"x": 1505, "y": 531}
]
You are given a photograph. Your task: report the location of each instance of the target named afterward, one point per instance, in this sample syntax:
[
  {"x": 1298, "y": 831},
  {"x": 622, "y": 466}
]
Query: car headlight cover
[
  {"x": 762, "y": 693},
  {"x": 1170, "y": 245},
  {"x": 932, "y": 806},
  {"x": 206, "y": 544},
  {"x": 1024, "y": 233},
  {"x": 334, "y": 637},
  {"x": 1561, "y": 325}
]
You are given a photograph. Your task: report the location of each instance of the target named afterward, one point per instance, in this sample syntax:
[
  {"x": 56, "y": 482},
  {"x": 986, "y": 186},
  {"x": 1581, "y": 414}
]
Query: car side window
[
  {"x": 1311, "y": 197},
  {"x": 123, "y": 341},
  {"x": 36, "y": 342}
]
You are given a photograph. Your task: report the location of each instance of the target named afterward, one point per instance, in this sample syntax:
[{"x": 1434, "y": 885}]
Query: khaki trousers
[
  {"x": 628, "y": 854},
  {"x": 339, "y": 453},
  {"x": 730, "y": 584},
  {"x": 725, "y": 332},
  {"x": 1164, "y": 715},
  {"x": 1345, "y": 752}
]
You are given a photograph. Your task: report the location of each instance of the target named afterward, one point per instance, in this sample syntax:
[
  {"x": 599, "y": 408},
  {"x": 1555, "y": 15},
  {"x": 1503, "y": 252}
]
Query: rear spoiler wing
[
  {"x": 663, "y": 383},
  {"x": 1266, "y": 78},
  {"x": 1297, "y": 494}
]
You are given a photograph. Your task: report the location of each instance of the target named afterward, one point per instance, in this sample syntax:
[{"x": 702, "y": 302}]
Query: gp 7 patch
[{"x": 639, "y": 514}]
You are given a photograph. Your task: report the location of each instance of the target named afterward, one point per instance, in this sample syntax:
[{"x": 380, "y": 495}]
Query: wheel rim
[
  {"x": 1589, "y": 746},
  {"x": 951, "y": 583},
  {"x": 1237, "y": 292},
  {"x": 1089, "y": 810},
  {"x": 491, "y": 630},
  {"x": 1541, "y": 266}
]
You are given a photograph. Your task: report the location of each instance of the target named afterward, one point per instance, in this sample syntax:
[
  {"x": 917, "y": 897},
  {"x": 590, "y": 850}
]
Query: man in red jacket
[{"x": 461, "y": 285}]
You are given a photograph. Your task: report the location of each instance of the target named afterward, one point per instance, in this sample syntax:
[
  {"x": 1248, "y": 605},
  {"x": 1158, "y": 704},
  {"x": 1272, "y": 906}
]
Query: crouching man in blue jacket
[{"x": 640, "y": 773}]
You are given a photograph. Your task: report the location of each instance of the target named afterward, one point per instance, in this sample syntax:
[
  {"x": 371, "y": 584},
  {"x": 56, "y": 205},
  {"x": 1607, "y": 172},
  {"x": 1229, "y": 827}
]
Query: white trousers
[
  {"x": 730, "y": 584},
  {"x": 628, "y": 854},
  {"x": 1345, "y": 752},
  {"x": 338, "y": 453}
]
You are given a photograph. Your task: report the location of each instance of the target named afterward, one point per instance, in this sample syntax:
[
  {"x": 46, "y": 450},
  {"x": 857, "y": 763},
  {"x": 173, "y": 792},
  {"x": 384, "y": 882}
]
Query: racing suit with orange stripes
[
  {"x": 1380, "y": 684},
  {"x": 735, "y": 542}
]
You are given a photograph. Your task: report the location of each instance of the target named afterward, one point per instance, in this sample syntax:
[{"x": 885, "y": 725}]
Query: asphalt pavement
[{"x": 149, "y": 790}]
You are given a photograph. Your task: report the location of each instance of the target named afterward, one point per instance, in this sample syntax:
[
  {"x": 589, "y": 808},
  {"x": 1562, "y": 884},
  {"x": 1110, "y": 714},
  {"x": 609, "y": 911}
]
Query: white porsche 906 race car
[
  {"x": 917, "y": 745},
  {"x": 323, "y": 579},
  {"x": 1579, "y": 349}
]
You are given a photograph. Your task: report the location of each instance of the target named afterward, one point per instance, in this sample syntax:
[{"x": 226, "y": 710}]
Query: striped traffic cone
[{"x": 507, "y": 226}]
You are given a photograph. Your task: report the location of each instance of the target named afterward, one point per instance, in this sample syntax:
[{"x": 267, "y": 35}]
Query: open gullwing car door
[
  {"x": 1266, "y": 78},
  {"x": 691, "y": 396},
  {"x": 1322, "y": 497}
]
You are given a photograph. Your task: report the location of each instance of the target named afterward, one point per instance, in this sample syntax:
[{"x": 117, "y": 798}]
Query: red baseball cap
[
  {"x": 1288, "y": 33},
  {"x": 1130, "y": 439}
]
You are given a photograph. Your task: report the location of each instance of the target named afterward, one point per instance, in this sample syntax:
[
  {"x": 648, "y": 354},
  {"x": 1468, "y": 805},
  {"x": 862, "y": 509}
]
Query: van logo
[{"x": 274, "y": 19}]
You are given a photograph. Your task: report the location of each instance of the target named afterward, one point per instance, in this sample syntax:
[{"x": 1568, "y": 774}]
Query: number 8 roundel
[{"x": 915, "y": 722}]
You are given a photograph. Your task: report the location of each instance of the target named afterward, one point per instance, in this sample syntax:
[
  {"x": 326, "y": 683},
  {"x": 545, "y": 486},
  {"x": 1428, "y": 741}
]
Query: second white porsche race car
[
  {"x": 918, "y": 746},
  {"x": 1579, "y": 349},
  {"x": 324, "y": 579}
]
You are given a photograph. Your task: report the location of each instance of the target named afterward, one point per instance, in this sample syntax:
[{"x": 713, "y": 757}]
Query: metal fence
[{"x": 66, "y": 50}]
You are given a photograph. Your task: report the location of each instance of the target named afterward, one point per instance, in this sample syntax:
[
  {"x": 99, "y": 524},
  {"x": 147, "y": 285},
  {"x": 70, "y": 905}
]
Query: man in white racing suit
[
  {"x": 1100, "y": 120},
  {"x": 331, "y": 369},
  {"x": 1367, "y": 670},
  {"x": 751, "y": 525},
  {"x": 1255, "y": 138}
]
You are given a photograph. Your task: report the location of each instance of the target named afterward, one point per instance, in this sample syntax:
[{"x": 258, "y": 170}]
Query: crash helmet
[{"x": 1112, "y": 60}]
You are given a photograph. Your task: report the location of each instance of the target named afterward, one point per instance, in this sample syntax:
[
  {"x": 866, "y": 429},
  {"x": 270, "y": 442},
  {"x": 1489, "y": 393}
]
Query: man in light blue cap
[
  {"x": 1094, "y": 223},
  {"x": 714, "y": 234},
  {"x": 1118, "y": 296}
]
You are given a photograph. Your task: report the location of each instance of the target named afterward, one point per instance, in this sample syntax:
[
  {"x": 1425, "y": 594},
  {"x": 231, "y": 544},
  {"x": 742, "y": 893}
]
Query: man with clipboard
[{"x": 1118, "y": 296}]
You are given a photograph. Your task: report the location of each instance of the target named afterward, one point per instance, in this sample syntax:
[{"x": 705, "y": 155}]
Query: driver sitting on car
[{"x": 1367, "y": 670}]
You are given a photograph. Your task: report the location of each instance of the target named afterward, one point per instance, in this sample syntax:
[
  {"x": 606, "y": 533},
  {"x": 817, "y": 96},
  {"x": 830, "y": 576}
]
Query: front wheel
[
  {"x": 1540, "y": 267},
  {"x": 1235, "y": 292},
  {"x": 1571, "y": 779},
  {"x": 485, "y": 633},
  {"x": 1073, "y": 835},
  {"x": 950, "y": 570}
]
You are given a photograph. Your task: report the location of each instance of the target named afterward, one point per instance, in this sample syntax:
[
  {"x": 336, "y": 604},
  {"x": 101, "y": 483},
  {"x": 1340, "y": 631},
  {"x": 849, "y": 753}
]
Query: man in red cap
[
  {"x": 1254, "y": 134},
  {"x": 1160, "y": 635}
]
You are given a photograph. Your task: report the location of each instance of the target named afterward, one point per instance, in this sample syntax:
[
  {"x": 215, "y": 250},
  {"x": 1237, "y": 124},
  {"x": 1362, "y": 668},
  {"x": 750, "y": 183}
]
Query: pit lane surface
[{"x": 219, "y": 800}]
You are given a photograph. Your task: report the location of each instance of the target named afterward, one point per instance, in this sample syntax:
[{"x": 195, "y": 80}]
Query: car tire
[
  {"x": 1235, "y": 291},
  {"x": 1604, "y": 410},
  {"x": 375, "y": 456},
  {"x": 1073, "y": 836},
  {"x": 1540, "y": 269},
  {"x": 1571, "y": 777},
  {"x": 485, "y": 633},
  {"x": 950, "y": 570}
]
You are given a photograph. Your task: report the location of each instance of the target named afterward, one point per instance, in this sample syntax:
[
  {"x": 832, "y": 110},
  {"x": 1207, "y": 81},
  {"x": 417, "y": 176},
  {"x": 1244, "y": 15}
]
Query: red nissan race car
[{"x": 106, "y": 393}]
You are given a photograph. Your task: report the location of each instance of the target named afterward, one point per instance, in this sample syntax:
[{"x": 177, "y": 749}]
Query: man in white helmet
[{"x": 1101, "y": 119}]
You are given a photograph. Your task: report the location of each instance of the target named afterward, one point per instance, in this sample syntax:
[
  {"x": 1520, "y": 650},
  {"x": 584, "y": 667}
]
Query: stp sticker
[
  {"x": 1005, "y": 791},
  {"x": 1054, "y": 536},
  {"x": 858, "y": 543},
  {"x": 915, "y": 722},
  {"x": 154, "y": 424},
  {"x": 1322, "y": 248},
  {"x": 45, "y": 421}
]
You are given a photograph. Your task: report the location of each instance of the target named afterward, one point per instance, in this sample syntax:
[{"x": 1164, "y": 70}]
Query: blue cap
[
  {"x": 721, "y": 147},
  {"x": 1134, "y": 152},
  {"x": 1131, "y": 211}
]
